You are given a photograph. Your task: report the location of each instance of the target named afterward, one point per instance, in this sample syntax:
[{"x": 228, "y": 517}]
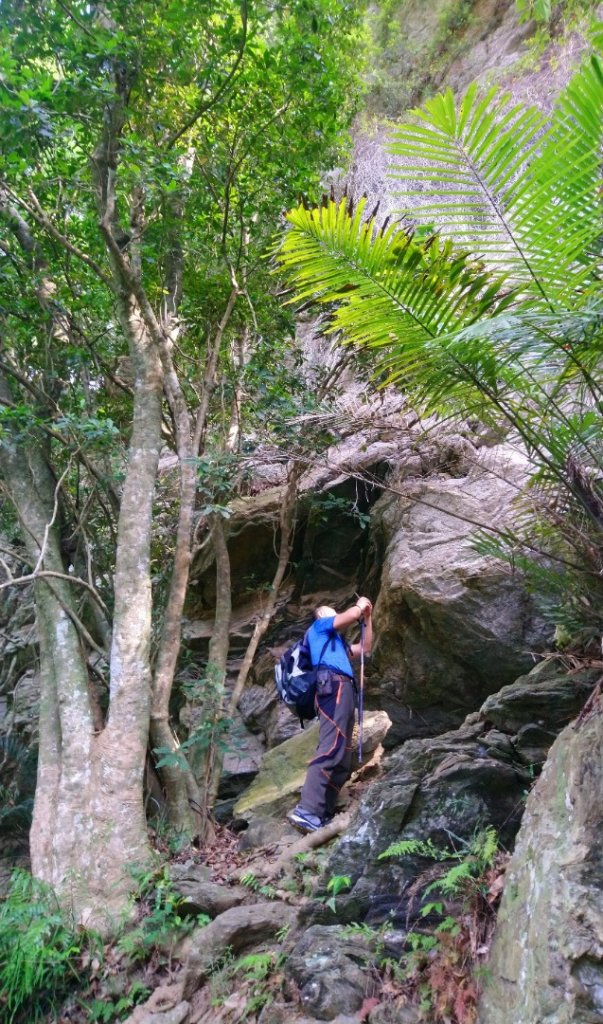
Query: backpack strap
[{"x": 330, "y": 638}]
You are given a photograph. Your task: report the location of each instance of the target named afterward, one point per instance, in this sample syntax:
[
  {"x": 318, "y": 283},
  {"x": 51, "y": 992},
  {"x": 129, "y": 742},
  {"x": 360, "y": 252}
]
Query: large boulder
[
  {"x": 434, "y": 789},
  {"x": 234, "y": 930},
  {"x": 330, "y": 972},
  {"x": 547, "y": 956},
  {"x": 451, "y": 625},
  {"x": 199, "y": 894}
]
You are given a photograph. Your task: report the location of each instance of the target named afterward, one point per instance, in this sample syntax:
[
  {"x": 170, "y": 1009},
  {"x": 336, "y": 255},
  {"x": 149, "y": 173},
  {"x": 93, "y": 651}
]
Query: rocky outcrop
[
  {"x": 330, "y": 972},
  {"x": 547, "y": 958},
  {"x": 199, "y": 895},
  {"x": 235, "y": 930},
  {"x": 448, "y": 788},
  {"x": 424, "y": 49},
  {"x": 451, "y": 625}
]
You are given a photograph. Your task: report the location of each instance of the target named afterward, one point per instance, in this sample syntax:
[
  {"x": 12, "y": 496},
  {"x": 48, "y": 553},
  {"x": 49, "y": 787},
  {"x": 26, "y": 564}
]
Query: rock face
[
  {"x": 199, "y": 894},
  {"x": 448, "y": 788},
  {"x": 451, "y": 625},
  {"x": 235, "y": 929},
  {"x": 434, "y": 789},
  {"x": 547, "y": 957}
]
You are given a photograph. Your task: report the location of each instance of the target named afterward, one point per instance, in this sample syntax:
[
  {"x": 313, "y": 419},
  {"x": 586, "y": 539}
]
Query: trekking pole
[{"x": 361, "y": 692}]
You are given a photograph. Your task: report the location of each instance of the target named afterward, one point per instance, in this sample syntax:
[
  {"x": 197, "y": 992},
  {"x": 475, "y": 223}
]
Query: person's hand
[{"x": 365, "y": 607}]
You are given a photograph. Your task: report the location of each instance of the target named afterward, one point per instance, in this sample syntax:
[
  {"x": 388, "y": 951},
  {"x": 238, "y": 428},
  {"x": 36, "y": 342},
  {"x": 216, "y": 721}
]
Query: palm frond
[
  {"x": 385, "y": 288},
  {"x": 519, "y": 192}
]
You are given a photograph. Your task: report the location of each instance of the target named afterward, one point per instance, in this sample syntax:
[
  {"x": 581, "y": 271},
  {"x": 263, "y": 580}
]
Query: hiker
[{"x": 331, "y": 765}]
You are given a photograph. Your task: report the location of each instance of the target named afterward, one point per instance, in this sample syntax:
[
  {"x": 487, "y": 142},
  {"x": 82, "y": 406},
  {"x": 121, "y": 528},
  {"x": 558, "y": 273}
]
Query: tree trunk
[
  {"x": 89, "y": 830},
  {"x": 287, "y": 530},
  {"x": 181, "y": 790},
  {"x": 88, "y": 827},
  {"x": 210, "y": 712},
  {"x": 186, "y": 804}
]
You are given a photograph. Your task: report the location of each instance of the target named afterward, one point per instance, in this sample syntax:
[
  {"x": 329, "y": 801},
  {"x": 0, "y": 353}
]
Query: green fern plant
[
  {"x": 422, "y": 847},
  {"x": 438, "y": 964},
  {"x": 252, "y": 882},
  {"x": 472, "y": 860},
  {"x": 39, "y": 951},
  {"x": 106, "y": 1011},
  {"x": 256, "y": 966},
  {"x": 255, "y": 977},
  {"x": 161, "y": 921}
]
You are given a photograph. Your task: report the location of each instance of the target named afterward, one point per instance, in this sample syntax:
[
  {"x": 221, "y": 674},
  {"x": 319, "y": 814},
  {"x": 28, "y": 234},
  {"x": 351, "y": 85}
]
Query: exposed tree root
[{"x": 309, "y": 842}]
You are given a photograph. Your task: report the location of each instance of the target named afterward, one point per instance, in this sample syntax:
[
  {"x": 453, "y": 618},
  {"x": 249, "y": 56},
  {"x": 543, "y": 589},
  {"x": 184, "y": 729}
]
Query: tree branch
[
  {"x": 36, "y": 211},
  {"x": 204, "y": 107},
  {"x": 76, "y": 20},
  {"x": 77, "y": 622},
  {"x": 48, "y": 573}
]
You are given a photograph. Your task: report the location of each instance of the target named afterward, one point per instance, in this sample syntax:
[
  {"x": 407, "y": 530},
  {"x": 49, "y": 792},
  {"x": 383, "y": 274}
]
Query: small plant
[
  {"x": 425, "y": 848},
  {"x": 255, "y": 966},
  {"x": 253, "y": 883},
  {"x": 335, "y": 885},
  {"x": 308, "y": 868},
  {"x": 160, "y": 918},
  {"x": 257, "y": 972},
  {"x": 39, "y": 950},
  {"x": 106, "y": 1011},
  {"x": 536, "y": 10}
]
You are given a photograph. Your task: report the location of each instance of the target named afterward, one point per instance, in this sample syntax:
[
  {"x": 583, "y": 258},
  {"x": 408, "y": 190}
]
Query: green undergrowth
[
  {"x": 40, "y": 953},
  {"x": 453, "y": 903},
  {"x": 244, "y": 985},
  {"x": 48, "y": 964}
]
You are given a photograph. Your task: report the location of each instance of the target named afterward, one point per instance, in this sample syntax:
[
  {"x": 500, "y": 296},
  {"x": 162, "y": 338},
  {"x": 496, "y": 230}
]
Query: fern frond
[
  {"x": 450, "y": 883},
  {"x": 405, "y": 847},
  {"x": 520, "y": 193},
  {"x": 386, "y": 288}
]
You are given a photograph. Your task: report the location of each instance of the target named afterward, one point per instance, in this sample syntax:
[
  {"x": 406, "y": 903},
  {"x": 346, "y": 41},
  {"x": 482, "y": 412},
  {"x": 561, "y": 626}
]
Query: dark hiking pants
[{"x": 331, "y": 765}]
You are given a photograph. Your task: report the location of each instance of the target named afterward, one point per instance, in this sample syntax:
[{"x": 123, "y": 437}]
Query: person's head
[{"x": 324, "y": 612}]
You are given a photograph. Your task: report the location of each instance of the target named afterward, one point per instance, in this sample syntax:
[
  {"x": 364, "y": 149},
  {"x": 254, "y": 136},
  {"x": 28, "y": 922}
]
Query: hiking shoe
[{"x": 303, "y": 820}]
